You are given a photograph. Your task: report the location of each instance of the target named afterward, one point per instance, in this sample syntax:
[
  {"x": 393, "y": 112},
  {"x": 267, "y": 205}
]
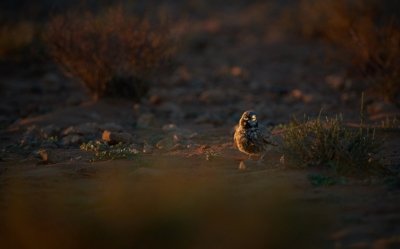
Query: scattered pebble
[
  {"x": 148, "y": 149},
  {"x": 146, "y": 119},
  {"x": 113, "y": 138},
  {"x": 169, "y": 127},
  {"x": 50, "y": 131},
  {"x": 48, "y": 156},
  {"x": 177, "y": 147},
  {"x": 335, "y": 81},
  {"x": 166, "y": 144}
]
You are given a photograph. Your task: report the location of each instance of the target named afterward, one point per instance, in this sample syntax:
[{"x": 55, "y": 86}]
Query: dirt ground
[{"x": 194, "y": 195}]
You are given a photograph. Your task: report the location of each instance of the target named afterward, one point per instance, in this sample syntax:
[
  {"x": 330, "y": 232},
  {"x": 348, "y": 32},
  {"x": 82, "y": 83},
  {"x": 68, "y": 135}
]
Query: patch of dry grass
[{"x": 112, "y": 54}]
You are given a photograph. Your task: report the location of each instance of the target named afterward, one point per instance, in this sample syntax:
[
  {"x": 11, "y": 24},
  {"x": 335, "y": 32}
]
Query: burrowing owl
[{"x": 251, "y": 137}]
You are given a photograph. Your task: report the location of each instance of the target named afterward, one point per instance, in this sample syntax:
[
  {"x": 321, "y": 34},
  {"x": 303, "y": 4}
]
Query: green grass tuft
[
  {"x": 331, "y": 143},
  {"x": 106, "y": 152},
  {"x": 112, "y": 154},
  {"x": 95, "y": 146}
]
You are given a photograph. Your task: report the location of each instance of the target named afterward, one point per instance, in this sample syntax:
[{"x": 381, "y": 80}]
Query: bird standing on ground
[{"x": 251, "y": 137}]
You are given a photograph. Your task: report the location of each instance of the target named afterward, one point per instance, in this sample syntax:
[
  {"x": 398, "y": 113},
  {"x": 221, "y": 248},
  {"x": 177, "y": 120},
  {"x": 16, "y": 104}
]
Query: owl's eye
[
  {"x": 253, "y": 118},
  {"x": 246, "y": 118}
]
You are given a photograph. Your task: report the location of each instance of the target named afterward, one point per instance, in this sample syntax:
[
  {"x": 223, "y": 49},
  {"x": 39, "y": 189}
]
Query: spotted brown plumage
[{"x": 251, "y": 137}]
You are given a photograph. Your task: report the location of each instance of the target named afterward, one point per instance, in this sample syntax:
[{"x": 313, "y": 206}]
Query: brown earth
[{"x": 194, "y": 195}]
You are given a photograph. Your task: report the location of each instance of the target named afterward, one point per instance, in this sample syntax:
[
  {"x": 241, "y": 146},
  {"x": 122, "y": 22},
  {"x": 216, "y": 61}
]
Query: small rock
[
  {"x": 76, "y": 139},
  {"x": 335, "y": 81},
  {"x": 146, "y": 119},
  {"x": 297, "y": 94},
  {"x": 148, "y": 149},
  {"x": 177, "y": 147},
  {"x": 94, "y": 116},
  {"x": 115, "y": 137},
  {"x": 66, "y": 141},
  {"x": 27, "y": 147},
  {"x": 48, "y": 156},
  {"x": 169, "y": 127},
  {"x": 172, "y": 110},
  {"x": 236, "y": 71},
  {"x": 204, "y": 147},
  {"x": 24, "y": 142},
  {"x": 181, "y": 134},
  {"x": 249, "y": 164},
  {"x": 156, "y": 99},
  {"x": 193, "y": 135},
  {"x": 166, "y": 144},
  {"x": 33, "y": 131},
  {"x": 50, "y": 131},
  {"x": 307, "y": 98}
]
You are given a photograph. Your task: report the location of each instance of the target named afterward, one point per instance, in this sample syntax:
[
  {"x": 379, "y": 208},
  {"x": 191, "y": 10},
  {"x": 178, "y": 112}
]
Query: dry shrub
[
  {"x": 369, "y": 41},
  {"x": 115, "y": 54},
  {"x": 375, "y": 52}
]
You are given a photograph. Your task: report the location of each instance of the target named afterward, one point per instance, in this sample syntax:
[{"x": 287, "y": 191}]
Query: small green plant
[
  {"x": 114, "y": 153},
  {"x": 390, "y": 125},
  {"x": 331, "y": 143},
  {"x": 106, "y": 152},
  {"x": 95, "y": 146},
  {"x": 113, "y": 54},
  {"x": 320, "y": 180}
]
